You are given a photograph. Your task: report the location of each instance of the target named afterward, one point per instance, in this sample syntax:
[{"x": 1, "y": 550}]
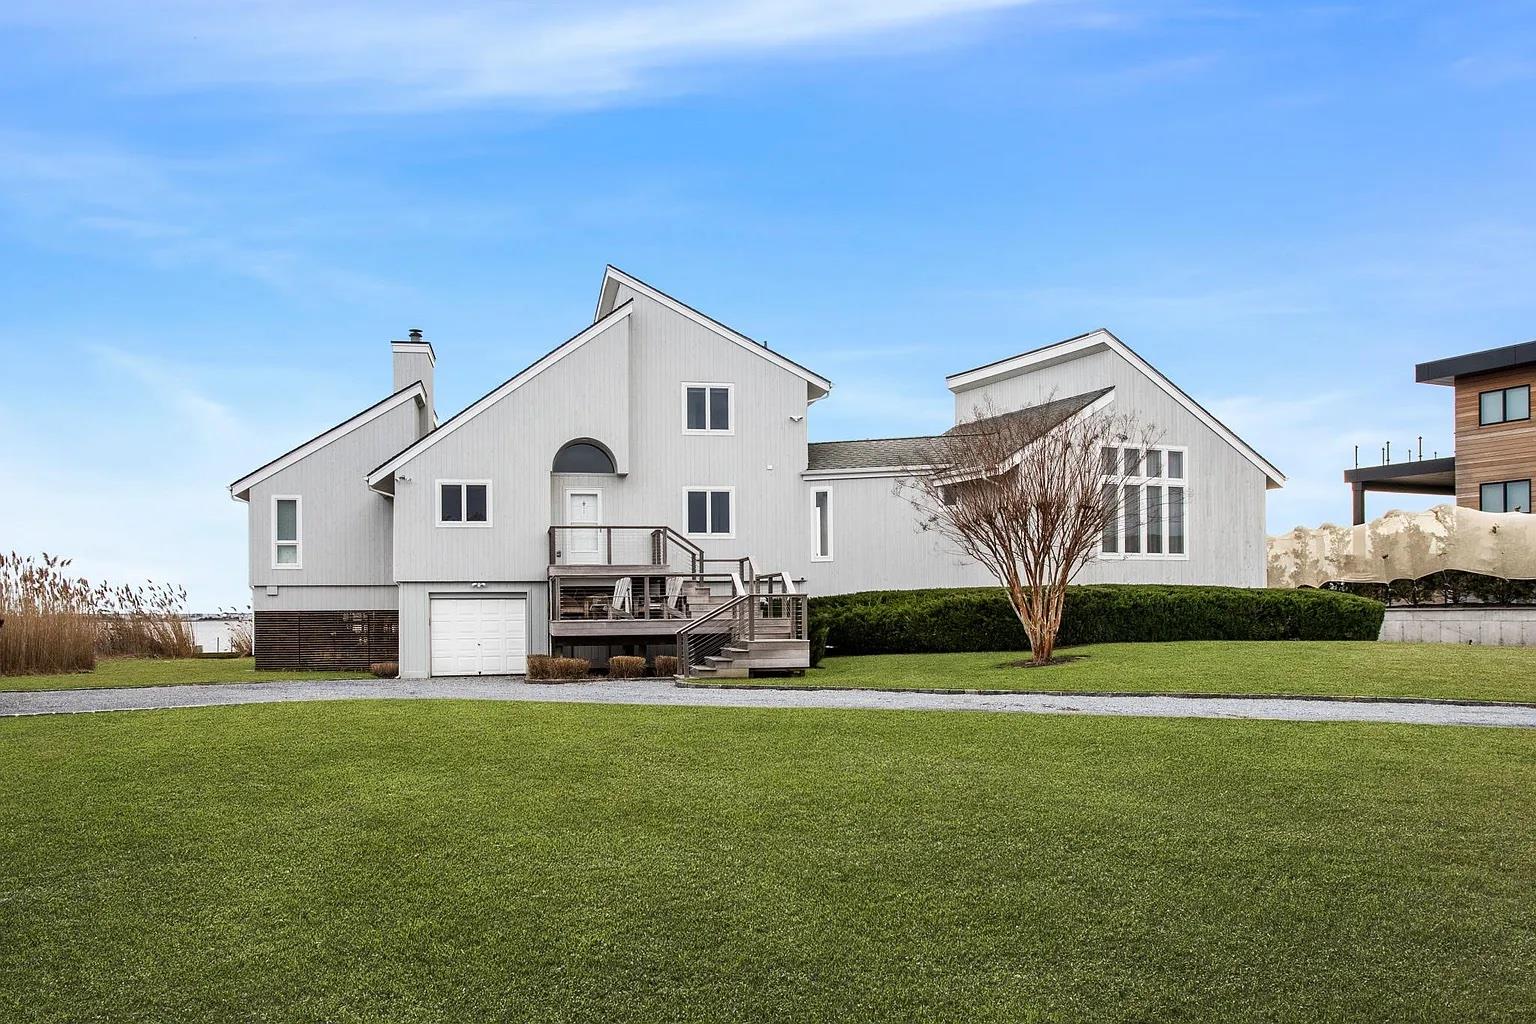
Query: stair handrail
[{"x": 690, "y": 651}]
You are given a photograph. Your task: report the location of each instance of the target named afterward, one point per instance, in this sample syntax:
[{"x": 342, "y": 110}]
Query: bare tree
[{"x": 1028, "y": 495}]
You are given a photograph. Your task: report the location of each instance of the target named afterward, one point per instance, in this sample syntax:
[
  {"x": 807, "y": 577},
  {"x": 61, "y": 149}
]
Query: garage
[{"x": 479, "y": 636}]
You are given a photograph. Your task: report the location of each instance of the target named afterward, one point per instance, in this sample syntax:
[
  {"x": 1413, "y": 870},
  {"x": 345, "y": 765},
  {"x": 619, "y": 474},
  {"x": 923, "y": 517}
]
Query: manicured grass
[
  {"x": 163, "y": 672},
  {"x": 1306, "y": 667},
  {"x": 402, "y": 861}
]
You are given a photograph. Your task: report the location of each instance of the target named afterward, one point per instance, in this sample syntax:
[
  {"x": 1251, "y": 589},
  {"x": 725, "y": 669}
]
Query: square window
[
  {"x": 709, "y": 512},
  {"x": 707, "y": 408},
  {"x": 463, "y": 503},
  {"x": 287, "y": 554}
]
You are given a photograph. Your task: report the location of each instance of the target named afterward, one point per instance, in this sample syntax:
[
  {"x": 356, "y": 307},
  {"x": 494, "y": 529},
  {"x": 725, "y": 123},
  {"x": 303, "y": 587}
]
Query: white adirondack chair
[
  {"x": 675, "y": 605},
  {"x": 621, "y": 605}
]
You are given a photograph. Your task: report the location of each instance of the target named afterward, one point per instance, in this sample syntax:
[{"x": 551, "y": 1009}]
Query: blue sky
[{"x": 213, "y": 218}]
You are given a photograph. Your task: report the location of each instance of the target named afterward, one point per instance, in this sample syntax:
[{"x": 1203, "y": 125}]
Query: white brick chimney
[{"x": 414, "y": 361}]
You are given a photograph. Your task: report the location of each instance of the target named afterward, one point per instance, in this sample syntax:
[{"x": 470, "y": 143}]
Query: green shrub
[
  {"x": 981, "y": 619},
  {"x": 623, "y": 666}
]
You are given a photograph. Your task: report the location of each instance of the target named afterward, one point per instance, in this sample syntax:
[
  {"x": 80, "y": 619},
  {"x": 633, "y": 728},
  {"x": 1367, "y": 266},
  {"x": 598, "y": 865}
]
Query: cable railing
[{"x": 625, "y": 545}]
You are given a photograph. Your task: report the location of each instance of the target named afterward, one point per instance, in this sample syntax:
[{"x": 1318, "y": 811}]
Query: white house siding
[
  {"x": 416, "y": 625},
  {"x": 587, "y": 395},
  {"x": 1225, "y": 493},
  {"x": 326, "y": 599},
  {"x": 345, "y": 528}
]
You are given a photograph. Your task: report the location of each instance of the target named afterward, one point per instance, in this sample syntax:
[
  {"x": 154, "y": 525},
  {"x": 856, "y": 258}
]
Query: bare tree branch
[{"x": 1027, "y": 495}]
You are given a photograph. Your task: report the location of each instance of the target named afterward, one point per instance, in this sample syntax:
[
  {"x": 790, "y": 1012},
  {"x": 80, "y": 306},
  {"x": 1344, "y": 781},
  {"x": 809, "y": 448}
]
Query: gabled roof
[
  {"x": 893, "y": 453},
  {"x": 386, "y": 469},
  {"x": 613, "y": 277},
  {"x": 240, "y": 490},
  {"x": 1099, "y": 341}
]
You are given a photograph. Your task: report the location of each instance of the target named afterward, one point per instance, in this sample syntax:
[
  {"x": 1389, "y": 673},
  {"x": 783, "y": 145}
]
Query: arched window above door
[{"x": 583, "y": 457}]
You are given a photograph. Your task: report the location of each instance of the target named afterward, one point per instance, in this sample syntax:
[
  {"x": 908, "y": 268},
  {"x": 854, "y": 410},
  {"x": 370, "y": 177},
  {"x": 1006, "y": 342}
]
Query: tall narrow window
[
  {"x": 707, "y": 408},
  {"x": 1109, "y": 543},
  {"x": 463, "y": 503},
  {"x": 822, "y": 505},
  {"x": 285, "y": 532},
  {"x": 709, "y": 512},
  {"x": 1154, "y": 519},
  {"x": 1130, "y": 516},
  {"x": 1176, "y": 520}
]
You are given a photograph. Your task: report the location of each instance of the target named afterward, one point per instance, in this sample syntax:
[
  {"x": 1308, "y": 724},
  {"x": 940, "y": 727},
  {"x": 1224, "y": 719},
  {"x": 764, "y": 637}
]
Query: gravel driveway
[{"x": 651, "y": 691}]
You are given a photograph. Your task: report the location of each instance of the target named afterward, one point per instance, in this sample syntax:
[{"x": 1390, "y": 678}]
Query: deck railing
[
  {"x": 742, "y": 620},
  {"x": 625, "y": 545}
]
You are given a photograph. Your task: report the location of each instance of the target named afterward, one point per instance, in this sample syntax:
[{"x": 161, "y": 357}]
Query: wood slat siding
[
  {"x": 328, "y": 639},
  {"x": 1500, "y": 451}
]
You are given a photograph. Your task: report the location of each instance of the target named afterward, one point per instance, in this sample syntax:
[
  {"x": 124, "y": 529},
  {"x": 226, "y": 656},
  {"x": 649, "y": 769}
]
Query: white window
[
  {"x": 463, "y": 503},
  {"x": 1147, "y": 489},
  {"x": 821, "y": 505},
  {"x": 707, "y": 408},
  {"x": 710, "y": 513},
  {"x": 286, "y": 527}
]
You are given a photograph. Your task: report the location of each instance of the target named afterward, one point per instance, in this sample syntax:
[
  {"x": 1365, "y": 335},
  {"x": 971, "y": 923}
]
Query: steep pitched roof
[
  {"x": 240, "y": 490},
  {"x": 1099, "y": 341},
  {"x": 386, "y": 469},
  {"x": 908, "y": 452},
  {"x": 818, "y": 385},
  {"x": 1047, "y": 415}
]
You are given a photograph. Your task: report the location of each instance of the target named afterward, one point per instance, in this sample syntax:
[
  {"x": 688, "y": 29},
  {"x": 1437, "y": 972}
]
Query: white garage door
[{"x": 479, "y": 636}]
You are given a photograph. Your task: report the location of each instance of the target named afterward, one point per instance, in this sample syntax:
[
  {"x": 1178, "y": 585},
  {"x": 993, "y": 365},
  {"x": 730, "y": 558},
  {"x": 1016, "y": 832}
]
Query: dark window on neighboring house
[
  {"x": 1506, "y": 496},
  {"x": 583, "y": 457},
  {"x": 1504, "y": 405}
]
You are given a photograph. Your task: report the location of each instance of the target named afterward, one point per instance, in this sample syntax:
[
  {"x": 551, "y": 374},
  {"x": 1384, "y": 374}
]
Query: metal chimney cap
[{"x": 415, "y": 333}]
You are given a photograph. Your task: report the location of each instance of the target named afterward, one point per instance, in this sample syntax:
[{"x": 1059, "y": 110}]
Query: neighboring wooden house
[
  {"x": 648, "y": 486},
  {"x": 1495, "y": 458}
]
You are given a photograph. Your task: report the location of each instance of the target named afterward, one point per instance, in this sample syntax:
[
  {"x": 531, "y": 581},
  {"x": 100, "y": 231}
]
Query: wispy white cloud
[
  {"x": 167, "y": 211},
  {"x": 458, "y": 51}
]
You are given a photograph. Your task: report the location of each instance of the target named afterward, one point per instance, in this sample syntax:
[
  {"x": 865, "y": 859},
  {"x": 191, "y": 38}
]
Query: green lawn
[
  {"x": 162, "y": 672},
  {"x": 1302, "y": 667},
  {"x": 446, "y": 861}
]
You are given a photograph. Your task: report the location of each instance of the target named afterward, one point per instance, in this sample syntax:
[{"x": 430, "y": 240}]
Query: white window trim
[
  {"x": 437, "y": 496},
  {"x": 709, "y": 511},
  {"x": 1121, "y": 481},
  {"x": 730, "y": 401},
  {"x": 298, "y": 531},
  {"x": 816, "y": 554}
]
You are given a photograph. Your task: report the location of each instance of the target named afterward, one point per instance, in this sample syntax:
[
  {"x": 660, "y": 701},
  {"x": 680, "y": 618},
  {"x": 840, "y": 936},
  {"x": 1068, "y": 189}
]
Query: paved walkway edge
[
  {"x": 1453, "y": 702},
  {"x": 662, "y": 692}
]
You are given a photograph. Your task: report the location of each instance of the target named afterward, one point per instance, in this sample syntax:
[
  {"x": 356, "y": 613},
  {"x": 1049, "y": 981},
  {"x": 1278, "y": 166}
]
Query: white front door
[
  {"x": 583, "y": 547},
  {"x": 479, "y": 636}
]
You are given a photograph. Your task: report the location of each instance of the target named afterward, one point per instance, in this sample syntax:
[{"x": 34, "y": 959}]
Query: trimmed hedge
[{"x": 981, "y": 619}]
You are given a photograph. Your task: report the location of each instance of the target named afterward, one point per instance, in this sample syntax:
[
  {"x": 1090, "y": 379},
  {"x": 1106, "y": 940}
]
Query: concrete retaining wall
[{"x": 1461, "y": 624}]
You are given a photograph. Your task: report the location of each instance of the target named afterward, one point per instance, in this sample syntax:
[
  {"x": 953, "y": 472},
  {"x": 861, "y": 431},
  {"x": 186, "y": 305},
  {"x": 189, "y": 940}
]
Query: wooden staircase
[{"x": 739, "y": 660}]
